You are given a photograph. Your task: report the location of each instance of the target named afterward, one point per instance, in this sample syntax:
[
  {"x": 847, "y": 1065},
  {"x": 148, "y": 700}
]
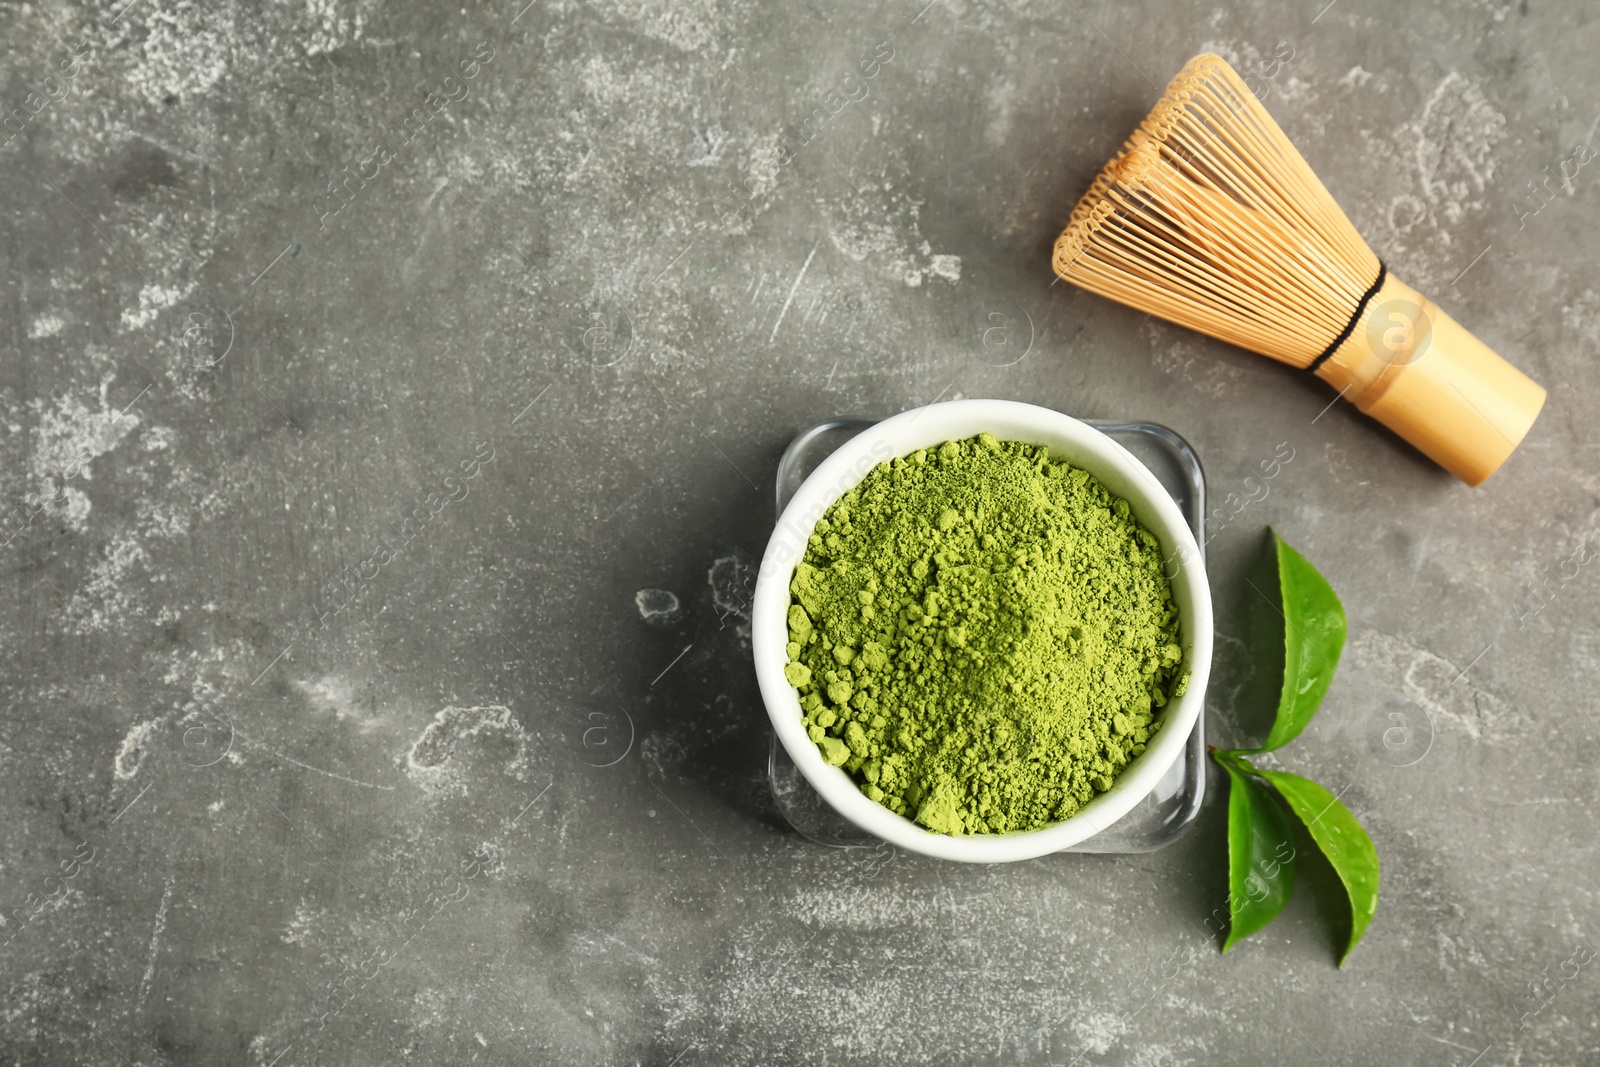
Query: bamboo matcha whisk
[{"x": 1210, "y": 218}]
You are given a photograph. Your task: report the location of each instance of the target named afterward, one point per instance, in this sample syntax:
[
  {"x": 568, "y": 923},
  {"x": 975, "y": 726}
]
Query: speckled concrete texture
[{"x": 390, "y": 402}]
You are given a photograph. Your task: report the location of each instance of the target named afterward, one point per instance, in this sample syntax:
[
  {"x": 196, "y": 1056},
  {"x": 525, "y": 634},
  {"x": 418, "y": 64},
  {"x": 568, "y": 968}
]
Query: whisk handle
[{"x": 1416, "y": 370}]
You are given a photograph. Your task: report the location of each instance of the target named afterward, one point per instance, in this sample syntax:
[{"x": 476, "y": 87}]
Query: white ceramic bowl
[{"x": 1068, "y": 439}]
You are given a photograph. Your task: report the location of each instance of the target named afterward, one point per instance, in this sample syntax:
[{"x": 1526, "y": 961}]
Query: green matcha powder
[{"x": 981, "y": 637}]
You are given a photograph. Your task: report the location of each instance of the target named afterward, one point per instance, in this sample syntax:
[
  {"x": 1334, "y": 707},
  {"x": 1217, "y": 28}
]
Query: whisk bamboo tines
[{"x": 1210, "y": 218}]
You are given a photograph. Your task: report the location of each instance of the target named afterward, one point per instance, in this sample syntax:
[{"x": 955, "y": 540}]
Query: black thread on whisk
[{"x": 1355, "y": 317}]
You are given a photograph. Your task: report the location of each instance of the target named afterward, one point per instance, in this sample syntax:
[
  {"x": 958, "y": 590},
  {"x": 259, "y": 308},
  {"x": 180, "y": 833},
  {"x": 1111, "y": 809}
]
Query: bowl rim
[{"x": 1068, "y": 438}]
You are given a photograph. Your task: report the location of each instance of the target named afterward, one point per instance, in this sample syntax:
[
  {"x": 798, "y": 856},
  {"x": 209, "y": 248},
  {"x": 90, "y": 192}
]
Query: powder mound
[{"x": 982, "y": 637}]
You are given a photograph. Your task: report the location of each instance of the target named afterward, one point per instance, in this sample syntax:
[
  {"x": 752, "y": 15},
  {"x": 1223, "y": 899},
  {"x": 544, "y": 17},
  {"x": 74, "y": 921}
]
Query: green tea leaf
[
  {"x": 1341, "y": 839},
  {"x": 1313, "y": 639},
  {"x": 1260, "y": 853}
]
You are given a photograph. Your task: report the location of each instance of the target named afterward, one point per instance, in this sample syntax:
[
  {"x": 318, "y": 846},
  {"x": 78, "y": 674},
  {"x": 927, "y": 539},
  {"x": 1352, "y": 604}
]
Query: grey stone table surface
[{"x": 391, "y": 399}]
